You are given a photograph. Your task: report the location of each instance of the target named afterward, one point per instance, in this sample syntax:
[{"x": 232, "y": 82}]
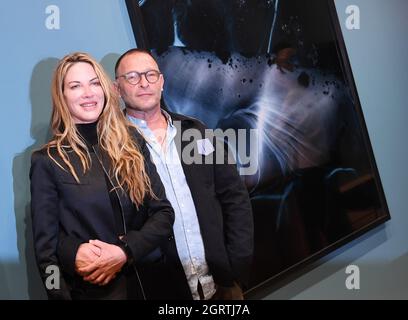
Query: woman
[{"x": 98, "y": 205}]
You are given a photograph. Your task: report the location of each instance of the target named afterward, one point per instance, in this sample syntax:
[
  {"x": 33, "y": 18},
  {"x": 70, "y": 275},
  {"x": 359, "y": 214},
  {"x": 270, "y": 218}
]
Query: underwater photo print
[{"x": 279, "y": 67}]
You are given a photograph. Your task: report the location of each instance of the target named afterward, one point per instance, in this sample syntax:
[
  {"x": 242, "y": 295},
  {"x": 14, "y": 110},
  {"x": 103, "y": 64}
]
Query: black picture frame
[{"x": 300, "y": 213}]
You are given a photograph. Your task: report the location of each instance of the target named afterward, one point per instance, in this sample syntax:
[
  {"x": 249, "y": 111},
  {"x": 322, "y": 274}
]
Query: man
[{"x": 211, "y": 252}]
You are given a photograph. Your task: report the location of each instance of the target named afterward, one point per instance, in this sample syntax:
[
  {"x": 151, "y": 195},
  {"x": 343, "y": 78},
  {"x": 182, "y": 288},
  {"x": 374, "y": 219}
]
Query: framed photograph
[{"x": 278, "y": 67}]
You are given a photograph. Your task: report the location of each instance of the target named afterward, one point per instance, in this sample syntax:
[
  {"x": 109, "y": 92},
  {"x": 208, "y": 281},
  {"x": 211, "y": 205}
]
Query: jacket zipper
[{"x": 123, "y": 217}]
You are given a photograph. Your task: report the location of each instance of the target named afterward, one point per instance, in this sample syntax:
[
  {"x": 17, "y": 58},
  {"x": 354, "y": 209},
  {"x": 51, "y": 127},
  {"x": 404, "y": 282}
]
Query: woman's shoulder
[
  {"x": 40, "y": 158},
  {"x": 44, "y": 153},
  {"x": 39, "y": 153},
  {"x": 40, "y": 163}
]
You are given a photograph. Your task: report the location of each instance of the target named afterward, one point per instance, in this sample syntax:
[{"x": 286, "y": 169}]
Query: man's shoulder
[
  {"x": 136, "y": 134},
  {"x": 187, "y": 121}
]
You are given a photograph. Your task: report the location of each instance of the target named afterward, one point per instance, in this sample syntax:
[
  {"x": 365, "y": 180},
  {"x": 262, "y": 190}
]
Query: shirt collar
[
  {"x": 143, "y": 124},
  {"x": 148, "y": 134},
  {"x": 168, "y": 118}
]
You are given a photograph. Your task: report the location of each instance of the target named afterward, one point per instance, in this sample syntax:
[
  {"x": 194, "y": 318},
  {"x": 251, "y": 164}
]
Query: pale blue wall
[
  {"x": 29, "y": 52},
  {"x": 378, "y": 54}
]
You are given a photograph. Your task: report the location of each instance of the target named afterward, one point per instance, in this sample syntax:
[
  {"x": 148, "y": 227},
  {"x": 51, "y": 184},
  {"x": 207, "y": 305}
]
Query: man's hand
[
  {"x": 87, "y": 253},
  {"x": 104, "y": 268}
]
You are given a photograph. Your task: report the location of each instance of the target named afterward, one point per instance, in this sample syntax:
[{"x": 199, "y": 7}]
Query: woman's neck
[{"x": 89, "y": 133}]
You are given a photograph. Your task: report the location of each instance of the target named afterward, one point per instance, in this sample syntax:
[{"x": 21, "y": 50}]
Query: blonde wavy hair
[{"x": 114, "y": 135}]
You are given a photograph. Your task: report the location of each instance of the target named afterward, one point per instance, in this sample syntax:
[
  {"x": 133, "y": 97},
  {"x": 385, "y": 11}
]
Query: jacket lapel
[{"x": 181, "y": 145}]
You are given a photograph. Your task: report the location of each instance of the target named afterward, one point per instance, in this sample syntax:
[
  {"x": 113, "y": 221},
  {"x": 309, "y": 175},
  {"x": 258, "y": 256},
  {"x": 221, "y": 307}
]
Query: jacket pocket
[{"x": 71, "y": 180}]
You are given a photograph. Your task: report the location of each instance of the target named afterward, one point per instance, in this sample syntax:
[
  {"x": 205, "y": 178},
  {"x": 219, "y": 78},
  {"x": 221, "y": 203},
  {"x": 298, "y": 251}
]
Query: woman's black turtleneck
[{"x": 89, "y": 133}]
